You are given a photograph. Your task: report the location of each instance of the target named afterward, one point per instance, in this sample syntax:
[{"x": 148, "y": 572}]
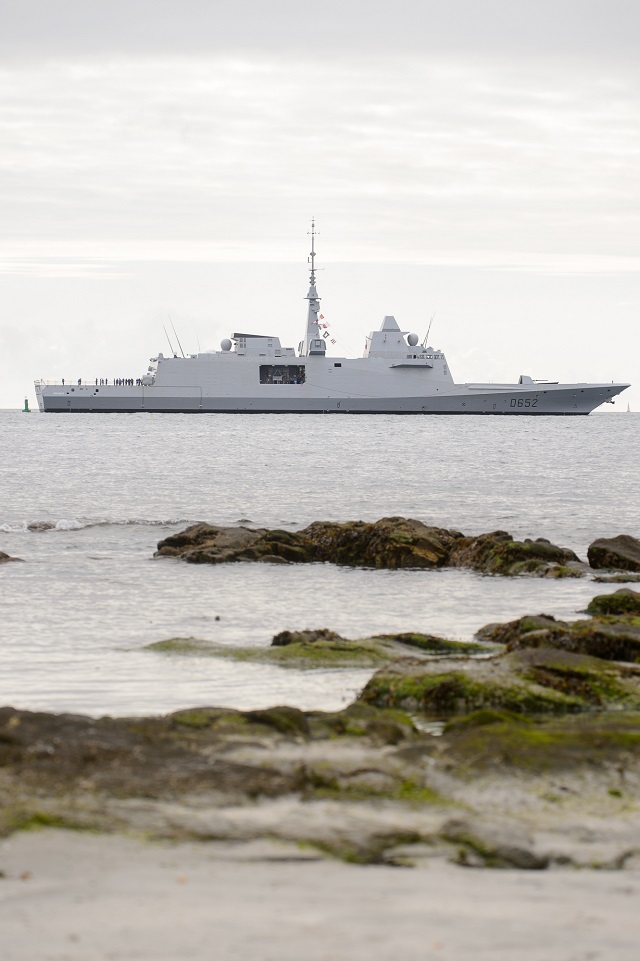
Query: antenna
[
  {"x": 170, "y": 344},
  {"x": 176, "y": 333},
  {"x": 197, "y": 339},
  {"x": 425, "y": 342},
  {"x": 312, "y": 255}
]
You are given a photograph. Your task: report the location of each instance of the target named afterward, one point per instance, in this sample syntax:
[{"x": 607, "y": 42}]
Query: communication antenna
[
  {"x": 425, "y": 342},
  {"x": 169, "y": 342},
  {"x": 176, "y": 333}
]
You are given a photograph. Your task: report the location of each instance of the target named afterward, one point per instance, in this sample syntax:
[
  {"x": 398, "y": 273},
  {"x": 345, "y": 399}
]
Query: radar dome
[
  {"x": 412, "y": 340},
  {"x": 225, "y": 344}
]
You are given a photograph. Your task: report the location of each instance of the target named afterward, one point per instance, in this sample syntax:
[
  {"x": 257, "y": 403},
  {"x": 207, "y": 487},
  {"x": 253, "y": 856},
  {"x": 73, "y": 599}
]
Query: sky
[{"x": 477, "y": 163}]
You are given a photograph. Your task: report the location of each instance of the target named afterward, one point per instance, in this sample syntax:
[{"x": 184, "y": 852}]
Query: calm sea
[{"x": 76, "y": 617}]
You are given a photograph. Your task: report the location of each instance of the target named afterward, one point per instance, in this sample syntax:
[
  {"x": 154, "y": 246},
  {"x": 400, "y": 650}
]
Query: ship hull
[{"x": 567, "y": 400}]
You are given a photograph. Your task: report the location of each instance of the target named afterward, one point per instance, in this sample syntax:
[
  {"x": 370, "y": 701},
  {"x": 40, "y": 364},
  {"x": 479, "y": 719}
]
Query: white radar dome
[
  {"x": 412, "y": 340},
  {"x": 225, "y": 344}
]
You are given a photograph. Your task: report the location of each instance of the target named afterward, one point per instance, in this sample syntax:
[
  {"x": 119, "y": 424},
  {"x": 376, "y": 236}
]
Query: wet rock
[
  {"x": 207, "y": 543},
  {"x": 41, "y": 526},
  {"x": 617, "y": 579},
  {"x": 624, "y": 601},
  {"x": 432, "y": 644},
  {"x": 439, "y": 694},
  {"x": 321, "y": 636},
  {"x": 391, "y": 543},
  {"x": 5, "y": 558},
  {"x": 530, "y": 681},
  {"x": 610, "y": 639},
  {"x": 498, "y": 553},
  {"x": 324, "y": 648},
  {"x": 363, "y": 784},
  {"x": 604, "y": 741},
  {"x": 479, "y": 845},
  {"x": 621, "y": 552}
]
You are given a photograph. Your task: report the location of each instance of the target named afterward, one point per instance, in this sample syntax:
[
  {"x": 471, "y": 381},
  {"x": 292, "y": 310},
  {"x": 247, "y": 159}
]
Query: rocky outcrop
[
  {"x": 392, "y": 543},
  {"x": 546, "y": 666},
  {"x": 537, "y": 763},
  {"x": 622, "y": 553},
  {"x": 366, "y": 785}
]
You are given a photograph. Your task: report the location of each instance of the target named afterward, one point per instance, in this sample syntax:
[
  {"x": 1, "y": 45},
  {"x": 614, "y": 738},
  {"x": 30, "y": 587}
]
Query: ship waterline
[{"x": 255, "y": 374}]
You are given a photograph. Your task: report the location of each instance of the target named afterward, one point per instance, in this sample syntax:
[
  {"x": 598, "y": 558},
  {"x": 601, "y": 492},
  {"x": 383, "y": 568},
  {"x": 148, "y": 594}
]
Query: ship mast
[{"x": 313, "y": 343}]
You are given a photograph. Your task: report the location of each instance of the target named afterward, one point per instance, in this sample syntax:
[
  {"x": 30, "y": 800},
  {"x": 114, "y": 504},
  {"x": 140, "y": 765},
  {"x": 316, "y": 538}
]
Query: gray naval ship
[{"x": 255, "y": 374}]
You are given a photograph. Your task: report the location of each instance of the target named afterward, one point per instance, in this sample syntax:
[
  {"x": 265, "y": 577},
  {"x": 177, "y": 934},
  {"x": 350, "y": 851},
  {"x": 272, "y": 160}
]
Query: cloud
[{"x": 225, "y": 159}]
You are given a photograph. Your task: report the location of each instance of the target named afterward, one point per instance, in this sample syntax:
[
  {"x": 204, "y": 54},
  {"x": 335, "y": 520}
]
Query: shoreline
[{"x": 92, "y": 898}]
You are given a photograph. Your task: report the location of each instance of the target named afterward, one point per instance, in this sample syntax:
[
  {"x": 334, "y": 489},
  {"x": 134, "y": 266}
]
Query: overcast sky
[{"x": 476, "y": 159}]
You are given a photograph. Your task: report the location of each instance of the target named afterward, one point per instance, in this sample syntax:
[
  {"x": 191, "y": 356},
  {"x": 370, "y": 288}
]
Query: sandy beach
[{"x": 67, "y": 896}]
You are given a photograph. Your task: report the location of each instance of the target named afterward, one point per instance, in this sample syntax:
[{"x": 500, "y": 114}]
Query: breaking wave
[{"x": 81, "y": 523}]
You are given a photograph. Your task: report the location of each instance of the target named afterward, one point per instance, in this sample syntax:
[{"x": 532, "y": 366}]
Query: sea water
[{"x": 84, "y": 500}]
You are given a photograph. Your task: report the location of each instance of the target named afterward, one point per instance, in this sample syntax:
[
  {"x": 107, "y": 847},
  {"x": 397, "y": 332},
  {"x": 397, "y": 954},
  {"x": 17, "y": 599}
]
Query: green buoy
[{"x": 25, "y": 409}]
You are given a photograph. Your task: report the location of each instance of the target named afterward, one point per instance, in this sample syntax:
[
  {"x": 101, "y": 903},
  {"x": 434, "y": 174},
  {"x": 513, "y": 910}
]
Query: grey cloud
[{"x": 608, "y": 29}]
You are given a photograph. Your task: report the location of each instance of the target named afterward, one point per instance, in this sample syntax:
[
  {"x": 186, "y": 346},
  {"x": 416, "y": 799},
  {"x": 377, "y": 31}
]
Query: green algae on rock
[
  {"x": 391, "y": 543},
  {"x": 610, "y": 638},
  {"x": 324, "y": 648},
  {"x": 416, "y": 688},
  {"x": 595, "y": 740},
  {"x": 529, "y": 681},
  {"x": 622, "y": 602}
]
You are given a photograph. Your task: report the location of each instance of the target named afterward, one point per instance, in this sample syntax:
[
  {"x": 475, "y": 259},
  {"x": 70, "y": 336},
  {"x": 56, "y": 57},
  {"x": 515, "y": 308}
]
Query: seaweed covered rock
[
  {"x": 498, "y": 553},
  {"x": 324, "y": 648},
  {"x": 595, "y": 740},
  {"x": 611, "y": 639},
  {"x": 391, "y": 543},
  {"x": 621, "y": 552},
  {"x": 622, "y": 602},
  {"x": 529, "y": 682}
]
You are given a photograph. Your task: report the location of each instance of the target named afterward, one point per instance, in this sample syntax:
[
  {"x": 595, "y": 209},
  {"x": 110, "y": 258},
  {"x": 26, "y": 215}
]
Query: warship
[{"x": 255, "y": 374}]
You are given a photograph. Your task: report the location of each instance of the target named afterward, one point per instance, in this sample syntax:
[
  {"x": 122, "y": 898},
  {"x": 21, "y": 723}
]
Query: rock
[
  {"x": 432, "y": 644},
  {"x": 321, "y": 636},
  {"x": 608, "y": 741},
  {"x": 5, "y": 558},
  {"x": 610, "y": 639},
  {"x": 498, "y": 553},
  {"x": 364, "y": 784},
  {"x": 391, "y": 543},
  {"x": 41, "y": 526},
  {"x": 623, "y": 601},
  {"x": 530, "y": 682},
  {"x": 617, "y": 579},
  {"x": 621, "y": 552},
  {"x": 491, "y": 847},
  {"x": 206, "y": 543},
  {"x": 446, "y": 693},
  {"x": 324, "y": 648}
]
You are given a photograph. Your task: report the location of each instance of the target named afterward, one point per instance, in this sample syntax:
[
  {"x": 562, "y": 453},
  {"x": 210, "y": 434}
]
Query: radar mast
[{"x": 313, "y": 343}]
